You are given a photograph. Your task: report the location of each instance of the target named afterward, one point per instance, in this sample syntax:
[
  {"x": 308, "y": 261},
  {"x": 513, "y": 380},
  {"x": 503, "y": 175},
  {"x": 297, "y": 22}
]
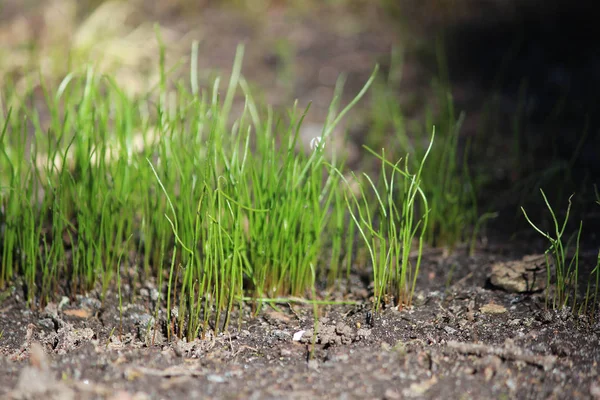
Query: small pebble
[
  {"x": 450, "y": 330},
  {"x": 215, "y": 378}
]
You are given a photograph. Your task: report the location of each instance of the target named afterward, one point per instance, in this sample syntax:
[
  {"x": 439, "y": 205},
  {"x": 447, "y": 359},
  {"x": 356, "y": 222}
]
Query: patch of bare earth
[{"x": 461, "y": 339}]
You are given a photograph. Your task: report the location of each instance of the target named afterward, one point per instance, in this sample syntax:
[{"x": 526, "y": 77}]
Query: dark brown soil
[{"x": 461, "y": 339}]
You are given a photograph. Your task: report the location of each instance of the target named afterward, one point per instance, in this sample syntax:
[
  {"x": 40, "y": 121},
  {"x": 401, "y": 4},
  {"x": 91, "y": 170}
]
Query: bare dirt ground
[{"x": 463, "y": 338}]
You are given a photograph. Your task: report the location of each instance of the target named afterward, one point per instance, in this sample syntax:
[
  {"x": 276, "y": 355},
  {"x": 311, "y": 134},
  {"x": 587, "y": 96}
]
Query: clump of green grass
[
  {"x": 566, "y": 272},
  {"x": 100, "y": 187},
  {"x": 389, "y": 228},
  {"x": 446, "y": 177}
]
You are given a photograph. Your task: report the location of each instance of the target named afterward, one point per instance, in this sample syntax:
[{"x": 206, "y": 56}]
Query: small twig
[
  {"x": 291, "y": 307},
  {"x": 169, "y": 372},
  {"x": 462, "y": 280},
  {"x": 299, "y": 300},
  {"x": 508, "y": 353},
  {"x": 244, "y": 347}
]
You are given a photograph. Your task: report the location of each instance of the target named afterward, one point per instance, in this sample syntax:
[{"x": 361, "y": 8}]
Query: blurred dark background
[
  {"x": 527, "y": 74},
  {"x": 540, "y": 65},
  {"x": 545, "y": 57}
]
